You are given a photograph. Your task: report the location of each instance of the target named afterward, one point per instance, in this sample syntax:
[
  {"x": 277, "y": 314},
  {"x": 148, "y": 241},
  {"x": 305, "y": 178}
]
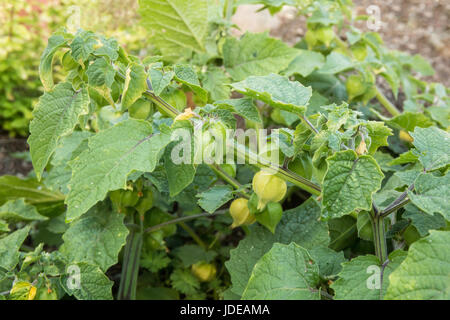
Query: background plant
[{"x": 359, "y": 171}]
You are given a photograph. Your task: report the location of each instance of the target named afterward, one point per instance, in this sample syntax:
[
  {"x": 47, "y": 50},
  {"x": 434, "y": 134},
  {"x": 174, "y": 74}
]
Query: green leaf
[
  {"x": 191, "y": 253},
  {"x": 179, "y": 176},
  {"x": 243, "y": 107},
  {"x": 55, "y": 42},
  {"x": 363, "y": 278},
  {"x": 328, "y": 260},
  {"x": 300, "y": 225},
  {"x": 424, "y": 274},
  {"x": 349, "y": 183},
  {"x": 406, "y": 157},
  {"x": 439, "y": 114},
  {"x": 423, "y": 222},
  {"x": 34, "y": 192},
  {"x": 378, "y": 134},
  {"x": 184, "y": 281},
  {"x": 3, "y": 228},
  {"x": 9, "y": 248},
  {"x": 100, "y": 73},
  {"x": 18, "y": 210},
  {"x": 271, "y": 216},
  {"x": 215, "y": 197},
  {"x": 305, "y": 63},
  {"x": 256, "y": 54},
  {"x": 286, "y": 272},
  {"x": 177, "y": 27},
  {"x": 187, "y": 76},
  {"x": 56, "y": 114},
  {"x": 97, "y": 238},
  {"x": 93, "y": 283},
  {"x": 276, "y": 91},
  {"x": 433, "y": 146},
  {"x": 112, "y": 155},
  {"x": 216, "y": 82},
  {"x": 431, "y": 194},
  {"x": 343, "y": 232},
  {"x": 135, "y": 85},
  {"x": 410, "y": 120},
  {"x": 335, "y": 63},
  {"x": 82, "y": 46},
  {"x": 160, "y": 80}
]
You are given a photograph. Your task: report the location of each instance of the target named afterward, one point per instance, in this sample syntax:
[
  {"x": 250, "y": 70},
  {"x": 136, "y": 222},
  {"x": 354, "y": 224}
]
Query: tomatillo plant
[{"x": 356, "y": 207}]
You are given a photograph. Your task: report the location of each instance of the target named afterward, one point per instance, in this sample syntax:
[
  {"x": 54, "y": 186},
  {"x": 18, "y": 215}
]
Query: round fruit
[
  {"x": 240, "y": 213},
  {"x": 46, "y": 294},
  {"x": 141, "y": 109},
  {"x": 269, "y": 188},
  {"x": 204, "y": 271},
  {"x": 325, "y": 35},
  {"x": 355, "y": 86},
  {"x": 359, "y": 51}
]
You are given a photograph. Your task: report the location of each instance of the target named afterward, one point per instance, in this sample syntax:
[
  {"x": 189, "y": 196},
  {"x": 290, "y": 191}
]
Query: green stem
[
  {"x": 379, "y": 237},
  {"x": 285, "y": 174},
  {"x": 386, "y": 103},
  {"x": 230, "y": 180},
  {"x": 130, "y": 266},
  {"x": 193, "y": 235}
]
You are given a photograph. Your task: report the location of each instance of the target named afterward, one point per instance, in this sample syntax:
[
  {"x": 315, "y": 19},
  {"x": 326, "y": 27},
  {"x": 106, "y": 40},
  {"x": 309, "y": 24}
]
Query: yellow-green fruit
[
  {"x": 405, "y": 136},
  {"x": 310, "y": 38},
  {"x": 359, "y": 51},
  {"x": 204, "y": 271},
  {"x": 23, "y": 290},
  {"x": 355, "y": 86},
  {"x": 240, "y": 213},
  {"x": 141, "y": 109},
  {"x": 325, "y": 35},
  {"x": 269, "y": 188}
]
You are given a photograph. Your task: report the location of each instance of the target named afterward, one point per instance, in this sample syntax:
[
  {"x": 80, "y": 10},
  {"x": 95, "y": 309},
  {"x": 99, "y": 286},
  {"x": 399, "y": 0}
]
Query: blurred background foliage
[{"x": 25, "y": 26}]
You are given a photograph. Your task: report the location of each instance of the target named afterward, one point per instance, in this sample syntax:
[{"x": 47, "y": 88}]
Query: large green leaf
[
  {"x": 215, "y": 197},
  {"x": 305, "y": 63},
  {"x": 349, "y": 183},
  {"x": 433, "y": 146},
  {"x": 425, "y": 273},
  {"x": 185, "y": 74},
  {"x": 55, "y": 115},
  {"x": 112, "y": 155},
  {"x": 86, "y": 282},
  {"x": 276, "y": 91},
  {"x": 300, "y": 225},
  {"x": 363, "y": 278},
  {"x": 135, "y": 85},
  {"x": 34, "y": 192},
  {"x": 176, "y": 27},
  {"x": 409, "y": 121},
  {"x": 55, "y": 42},
  {"x": 97, "y": 237},
  {"x": 18, "y": 210},
  {"x": 101, "y": 73},
  {"x": 421, "y": 221},
  {"x": 431, "y": 194},
  {"x": 256, "y": 54},
  {"x": 9, "y": 248},
  {"x": 244, "y": 107},
  {"x": 336, "y": 63},
  {"x": 286, "y": 272}
]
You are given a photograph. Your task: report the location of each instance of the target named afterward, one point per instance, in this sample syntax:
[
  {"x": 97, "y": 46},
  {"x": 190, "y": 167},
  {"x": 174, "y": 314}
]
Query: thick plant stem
[
  {"x": 130, "y": 267},
  {"x": 379, "y": 237},
  {"x": 387, "y": 104}
]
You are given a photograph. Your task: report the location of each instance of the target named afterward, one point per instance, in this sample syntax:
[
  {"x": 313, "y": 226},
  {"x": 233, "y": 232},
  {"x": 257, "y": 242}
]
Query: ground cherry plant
[{"x": 232, "y": 168}]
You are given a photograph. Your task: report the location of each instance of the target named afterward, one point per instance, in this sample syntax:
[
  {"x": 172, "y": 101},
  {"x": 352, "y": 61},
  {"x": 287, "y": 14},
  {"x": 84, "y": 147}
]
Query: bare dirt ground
[{"x": 414, "y": 26}]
